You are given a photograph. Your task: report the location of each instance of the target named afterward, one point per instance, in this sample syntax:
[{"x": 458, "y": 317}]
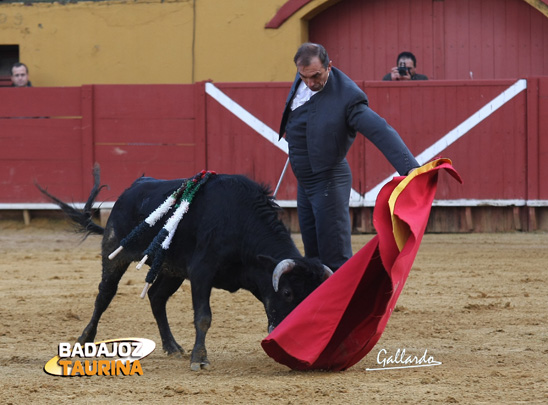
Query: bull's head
[{"x": 300, "y": 277}]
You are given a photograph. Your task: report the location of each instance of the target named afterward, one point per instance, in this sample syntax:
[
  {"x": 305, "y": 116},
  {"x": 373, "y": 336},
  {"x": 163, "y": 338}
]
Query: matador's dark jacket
[{"x": 336, "y": 114}]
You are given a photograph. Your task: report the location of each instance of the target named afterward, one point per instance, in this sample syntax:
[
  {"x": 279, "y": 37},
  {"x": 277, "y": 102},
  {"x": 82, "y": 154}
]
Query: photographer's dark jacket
[{"x": 335, "y": 114}]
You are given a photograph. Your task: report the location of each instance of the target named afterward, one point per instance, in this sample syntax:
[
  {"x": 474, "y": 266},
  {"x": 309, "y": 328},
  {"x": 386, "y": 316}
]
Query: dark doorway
[{"x": 9, "y": 54}]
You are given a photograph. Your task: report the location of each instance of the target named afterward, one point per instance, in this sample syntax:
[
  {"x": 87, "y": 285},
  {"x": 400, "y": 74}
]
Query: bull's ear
[{"x": 267, "y": 262}]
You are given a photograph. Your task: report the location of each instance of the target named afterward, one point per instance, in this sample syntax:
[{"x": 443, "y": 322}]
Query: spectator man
[{"x": 20, "y": 75}]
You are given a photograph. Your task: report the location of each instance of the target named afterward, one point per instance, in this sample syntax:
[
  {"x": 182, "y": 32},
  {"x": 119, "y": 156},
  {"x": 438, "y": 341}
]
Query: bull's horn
[
  {"x": 283, "y": 267},
  {"x": 327, "y": 272}
]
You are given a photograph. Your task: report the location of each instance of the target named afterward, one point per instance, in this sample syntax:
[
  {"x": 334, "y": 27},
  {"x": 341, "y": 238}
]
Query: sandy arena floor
[{"x": 476, "y": 302}]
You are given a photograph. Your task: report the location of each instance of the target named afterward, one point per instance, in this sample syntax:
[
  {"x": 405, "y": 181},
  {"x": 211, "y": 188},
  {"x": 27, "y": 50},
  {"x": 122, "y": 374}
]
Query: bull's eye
[{"x": 287, "y": 295}]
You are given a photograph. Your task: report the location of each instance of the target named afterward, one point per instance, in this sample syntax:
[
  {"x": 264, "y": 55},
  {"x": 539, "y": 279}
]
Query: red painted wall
[
  {"x": 37, "y": 147},
  {"x": 173, "y": 131},
  {"x": 452, "y": 39},
  {"x": 155, "y": 130},
  {"x": 492, "y": 157},
  {"x": 150, "y": 130}
]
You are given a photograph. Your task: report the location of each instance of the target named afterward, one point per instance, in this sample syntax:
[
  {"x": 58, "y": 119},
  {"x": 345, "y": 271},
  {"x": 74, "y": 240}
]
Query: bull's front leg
[{"x": 202, "y": 322}]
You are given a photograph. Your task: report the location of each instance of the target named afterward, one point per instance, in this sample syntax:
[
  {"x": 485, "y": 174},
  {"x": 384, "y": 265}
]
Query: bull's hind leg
[
  {"x": 164, "y": 287},
  {"x": 112, "y": 273}
]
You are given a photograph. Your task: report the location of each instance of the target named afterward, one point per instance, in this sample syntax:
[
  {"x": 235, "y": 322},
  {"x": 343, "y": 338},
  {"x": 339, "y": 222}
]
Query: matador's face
[{"x": 315, "y": 74}]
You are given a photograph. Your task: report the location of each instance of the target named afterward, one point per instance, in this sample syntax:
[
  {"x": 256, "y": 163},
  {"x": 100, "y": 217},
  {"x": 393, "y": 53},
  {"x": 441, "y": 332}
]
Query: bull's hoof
[
  {"x": 200, "y": 366},
  {"x": 174, "y": 350},
  {"x": 86, "y": 337},
  {"x": 176, "y": 355}
]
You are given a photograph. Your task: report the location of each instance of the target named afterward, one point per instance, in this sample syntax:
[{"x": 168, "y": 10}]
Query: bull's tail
[{"x": 82, "y": 218}]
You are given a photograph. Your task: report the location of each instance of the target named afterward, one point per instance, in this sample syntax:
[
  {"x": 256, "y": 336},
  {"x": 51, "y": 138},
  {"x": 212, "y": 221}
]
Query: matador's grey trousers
[{"x": 324, "y": 217}]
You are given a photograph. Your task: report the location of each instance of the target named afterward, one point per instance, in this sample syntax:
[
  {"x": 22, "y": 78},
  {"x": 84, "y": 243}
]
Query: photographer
[{"x": 405, "y": 69}]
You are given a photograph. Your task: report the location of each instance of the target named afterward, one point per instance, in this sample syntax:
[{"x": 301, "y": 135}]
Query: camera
[{"x": 403, "y": 70}]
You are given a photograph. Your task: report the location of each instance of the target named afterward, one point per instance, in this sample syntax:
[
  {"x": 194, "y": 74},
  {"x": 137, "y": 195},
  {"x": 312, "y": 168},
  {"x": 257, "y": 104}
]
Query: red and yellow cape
[{"x": 343, "y": 319}]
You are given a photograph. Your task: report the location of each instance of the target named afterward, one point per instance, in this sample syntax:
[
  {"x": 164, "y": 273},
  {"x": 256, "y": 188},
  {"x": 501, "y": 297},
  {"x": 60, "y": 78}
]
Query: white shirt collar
[{"x": 303, "y": 94}]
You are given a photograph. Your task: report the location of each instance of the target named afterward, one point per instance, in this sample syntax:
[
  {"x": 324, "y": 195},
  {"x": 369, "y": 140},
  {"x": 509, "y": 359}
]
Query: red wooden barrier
[
  {"x": 41, "y": 140},
  {"x": 236, "y": 148},
  {"x": 493, "y": 154},
  {"x": 54, "y": 136},
  {"x": 148, "y": 130},
  {"x": 491, "y": 157}
]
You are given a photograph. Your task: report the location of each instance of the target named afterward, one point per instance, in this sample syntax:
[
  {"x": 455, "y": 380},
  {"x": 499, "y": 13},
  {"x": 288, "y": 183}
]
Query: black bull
[{"x": 230, "y": 238}]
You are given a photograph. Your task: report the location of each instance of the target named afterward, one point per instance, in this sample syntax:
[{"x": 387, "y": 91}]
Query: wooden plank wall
[
  {"x": 234, "y": 147},
  {"x": 147, "y": 130},
  {"x": 491, "y": 158},
  {"x": 54, "y": 136},
  {"x": 495, "y": 152},
  {"x": 451, "y": 39},
  {"x": 41, "y": 140}
]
